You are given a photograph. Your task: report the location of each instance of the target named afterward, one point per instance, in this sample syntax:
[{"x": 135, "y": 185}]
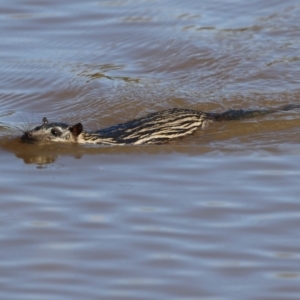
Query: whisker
[
  {"x": 26, "y": 126},
  {"x": 16, "y": 128}
]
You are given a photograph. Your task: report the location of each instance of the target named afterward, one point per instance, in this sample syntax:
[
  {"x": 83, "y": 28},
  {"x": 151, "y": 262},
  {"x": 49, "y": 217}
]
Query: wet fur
[{"x": 155, "y": 128}]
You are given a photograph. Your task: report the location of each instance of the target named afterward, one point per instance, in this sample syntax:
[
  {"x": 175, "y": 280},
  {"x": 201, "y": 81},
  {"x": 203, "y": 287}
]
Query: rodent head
[{"x": 55, "y": 132}]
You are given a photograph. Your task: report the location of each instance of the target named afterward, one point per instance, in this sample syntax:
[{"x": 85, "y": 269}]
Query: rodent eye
[{"x": 55, "y": 132}]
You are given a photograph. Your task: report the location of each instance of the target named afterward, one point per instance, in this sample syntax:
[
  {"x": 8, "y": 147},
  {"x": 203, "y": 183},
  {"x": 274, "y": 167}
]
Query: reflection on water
[
  {"x": 211, "y": 216},
  {"x": 152, "y": 224}
]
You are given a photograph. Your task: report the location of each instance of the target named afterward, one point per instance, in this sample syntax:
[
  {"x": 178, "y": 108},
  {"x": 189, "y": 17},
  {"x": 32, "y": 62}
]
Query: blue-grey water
[{"x": 214, "y": 216}]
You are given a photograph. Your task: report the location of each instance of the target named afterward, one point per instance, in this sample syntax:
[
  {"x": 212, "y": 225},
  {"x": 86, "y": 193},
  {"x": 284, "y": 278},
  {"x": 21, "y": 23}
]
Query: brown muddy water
[{"x": 213, "y": 216}]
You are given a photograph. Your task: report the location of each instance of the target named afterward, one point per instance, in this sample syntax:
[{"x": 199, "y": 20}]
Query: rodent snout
[{"x": 26, "y": 136}]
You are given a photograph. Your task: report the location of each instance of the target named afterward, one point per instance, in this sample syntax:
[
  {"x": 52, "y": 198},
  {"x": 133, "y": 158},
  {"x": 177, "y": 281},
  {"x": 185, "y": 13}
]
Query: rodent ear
[
  {"x": 45, "y": 120},
  {"x": 76, "y": 129}
]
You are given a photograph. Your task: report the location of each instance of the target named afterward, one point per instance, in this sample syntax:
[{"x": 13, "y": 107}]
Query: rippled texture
[
  {"x": 212, "y": 216},
  {"x": 152, "y": 227}
]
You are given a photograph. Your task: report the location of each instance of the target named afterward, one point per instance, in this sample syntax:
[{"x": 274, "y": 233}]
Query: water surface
[{"x": 212, "y": 216}]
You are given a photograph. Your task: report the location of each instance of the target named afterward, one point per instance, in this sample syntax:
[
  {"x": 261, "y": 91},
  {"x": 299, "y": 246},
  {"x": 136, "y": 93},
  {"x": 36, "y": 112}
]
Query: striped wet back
[{"x": 155, "y": 128}]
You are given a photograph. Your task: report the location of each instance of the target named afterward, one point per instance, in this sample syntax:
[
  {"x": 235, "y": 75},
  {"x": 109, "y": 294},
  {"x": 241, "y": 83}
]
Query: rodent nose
[{"x": 26, "y": 136}]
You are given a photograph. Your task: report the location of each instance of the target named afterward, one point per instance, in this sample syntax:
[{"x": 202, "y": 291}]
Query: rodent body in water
[{"x": 155, "y": 128}]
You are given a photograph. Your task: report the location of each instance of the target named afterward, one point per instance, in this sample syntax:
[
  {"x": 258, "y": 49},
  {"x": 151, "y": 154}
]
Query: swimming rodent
[{"x": 155, "y": 128}]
